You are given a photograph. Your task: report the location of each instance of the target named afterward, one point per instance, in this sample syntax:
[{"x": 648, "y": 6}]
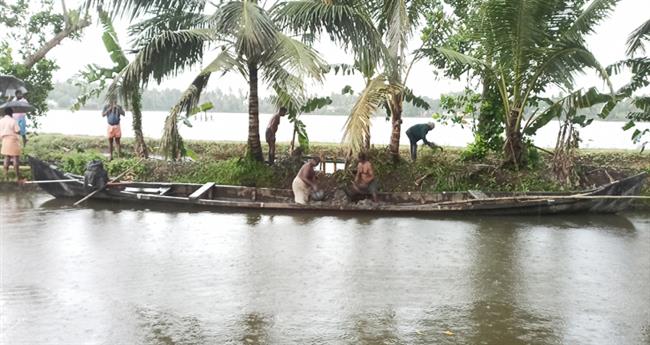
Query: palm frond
[
  {"x": 357, "y": 126},
  {"x": 295, "y": 57},
  {"x": 173, "y": 20},
  {"x": 111, "y": 43},
  {"x": 171, "y": 143},
  {"x": 166, "y": 55},
  {"x": 461, "y": 58},
  {"x": 562, "y": 65},
  {"x": 348, "y": 23},
  {"x": 517, "y": 33},
  {"x": 586, "y": 22},
  {"x": 417, "y": 101},
  {"x": 567, "y": 106},
  {"x": 289, "y": 88},
  {"x": 137, "y": 8},
  {"x": 250, "y": 25},
  {"x": 224, "y": 62},
  {"x": 635, "y": 43}
]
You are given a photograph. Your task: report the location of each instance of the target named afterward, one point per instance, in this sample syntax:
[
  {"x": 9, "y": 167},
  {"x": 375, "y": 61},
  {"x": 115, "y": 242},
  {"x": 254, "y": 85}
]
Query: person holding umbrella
[
  {"x": 9, "y": 130},
  {"x": 20, "y": 116}
]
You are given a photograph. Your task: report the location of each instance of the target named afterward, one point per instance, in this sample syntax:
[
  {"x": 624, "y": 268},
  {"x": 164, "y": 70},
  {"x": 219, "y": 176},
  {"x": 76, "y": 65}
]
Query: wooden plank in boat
[
  {"x": 199, "y": 192},
  {"x": 477, "y": 194},
  {"x": 145, "y": 190}
]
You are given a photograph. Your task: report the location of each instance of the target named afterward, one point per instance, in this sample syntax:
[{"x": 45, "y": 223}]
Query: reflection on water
[
  {"x": 255, "y": 328},
  {"x": 166, "y": 328},
  {"x": 111, "y": 273}
]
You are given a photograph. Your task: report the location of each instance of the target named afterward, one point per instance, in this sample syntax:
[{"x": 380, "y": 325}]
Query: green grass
[{"x": 223, "y": 163}]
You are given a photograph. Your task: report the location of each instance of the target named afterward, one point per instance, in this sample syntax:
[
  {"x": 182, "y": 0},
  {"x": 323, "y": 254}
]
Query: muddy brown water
[{"x": 125, "y": 274}]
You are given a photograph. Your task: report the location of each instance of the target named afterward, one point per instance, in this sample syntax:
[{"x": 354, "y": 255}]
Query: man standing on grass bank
[
  {"x": 21, "y": 117},
  {"x": 271, "y": 129},
  {"x": 113, "y": 111},
  {"x": 9, "y": 130},
  {"x": 419, "y": 132},
  {"x": 305, "y": 182}
]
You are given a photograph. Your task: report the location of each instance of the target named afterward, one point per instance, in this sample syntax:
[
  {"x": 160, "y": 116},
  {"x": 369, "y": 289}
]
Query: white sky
[{"x": 608, "y": 44}]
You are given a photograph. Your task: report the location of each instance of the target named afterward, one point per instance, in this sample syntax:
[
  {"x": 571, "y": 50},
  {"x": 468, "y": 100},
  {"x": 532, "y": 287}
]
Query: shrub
[
  {"x": 75, "y": 162},
  {"x": 137, "y": 169},
  {"x": 476, "y": 150},
  {"x": 234, "y": 171}
]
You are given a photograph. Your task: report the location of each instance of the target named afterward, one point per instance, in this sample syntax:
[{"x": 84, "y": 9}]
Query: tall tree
[
  {"x": 525, "y": 46},
  {"x": 27, "y": 28},
  {"x": 378, "y": 33},
  {"x": 249, "y": 42}
]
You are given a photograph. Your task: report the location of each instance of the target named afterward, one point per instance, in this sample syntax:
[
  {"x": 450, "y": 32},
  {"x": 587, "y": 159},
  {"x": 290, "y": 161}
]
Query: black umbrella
[
  {"x": 18, "y": 106},
  {"x": 9, "y": 84}
]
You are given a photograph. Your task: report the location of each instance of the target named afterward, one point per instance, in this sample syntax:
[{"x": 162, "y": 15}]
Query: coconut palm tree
[
  {"x": 527, "y": 47},
  {"x": 96, "y": 78},
  {"x": 247, "y": 39},
  {"x": 377, "y": 32}
]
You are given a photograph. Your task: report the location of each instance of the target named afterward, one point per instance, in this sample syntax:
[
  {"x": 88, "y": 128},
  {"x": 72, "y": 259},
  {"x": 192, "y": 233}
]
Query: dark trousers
[{"x": 414, "y": 146}]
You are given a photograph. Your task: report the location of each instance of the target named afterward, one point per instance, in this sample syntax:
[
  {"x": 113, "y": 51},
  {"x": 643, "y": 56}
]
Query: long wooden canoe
[{"x": 609, "y": 198}]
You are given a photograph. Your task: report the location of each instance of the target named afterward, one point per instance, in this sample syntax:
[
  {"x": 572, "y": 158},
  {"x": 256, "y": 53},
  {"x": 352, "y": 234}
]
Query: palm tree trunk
[
  {"x": 254, "y": 144},
  {"x": 136, "y": 109},
  {"x": 396, "y": 115},
  {"x": 514, "y": 146},
  {"x": 366, "y": 139}
]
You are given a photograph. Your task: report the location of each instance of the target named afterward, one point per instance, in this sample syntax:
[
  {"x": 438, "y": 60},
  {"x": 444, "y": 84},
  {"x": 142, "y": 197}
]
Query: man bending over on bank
[
  {"x": 305, "y": 181},
  {"x": 419, "y": 132},
  {"x": 113, "y": 111},
  {"x": 271, "y": 129},
  {"x": 365, "y": 181}
]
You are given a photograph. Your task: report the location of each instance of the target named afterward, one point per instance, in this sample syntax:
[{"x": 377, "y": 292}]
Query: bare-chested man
[
  {"x": 271, "y": 129},
  {"x": 365, "y": 181}
]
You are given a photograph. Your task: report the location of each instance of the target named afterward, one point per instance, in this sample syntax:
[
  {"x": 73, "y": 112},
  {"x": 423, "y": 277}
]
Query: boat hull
[{"x": 604, "y": 199}]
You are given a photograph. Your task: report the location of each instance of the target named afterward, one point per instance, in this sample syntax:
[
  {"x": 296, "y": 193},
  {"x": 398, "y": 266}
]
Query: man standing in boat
[
  {"x": 419, "y": 132},
  {"x": 305, "y": 182},
  {"x": 271, "y": 129},
  {"x": 112, "y": 112}
]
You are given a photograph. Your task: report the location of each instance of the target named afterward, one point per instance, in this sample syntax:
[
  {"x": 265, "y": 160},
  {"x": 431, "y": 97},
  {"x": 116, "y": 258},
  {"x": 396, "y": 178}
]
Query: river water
[
  {"x": 110, "y": 273},
  {"x": 320, "y": 128}
]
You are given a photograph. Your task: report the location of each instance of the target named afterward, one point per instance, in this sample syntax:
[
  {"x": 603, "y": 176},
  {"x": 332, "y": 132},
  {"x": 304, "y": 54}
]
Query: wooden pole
[
  {"x": 51, "y": 181},
  {"x": 111, "y": 181}
]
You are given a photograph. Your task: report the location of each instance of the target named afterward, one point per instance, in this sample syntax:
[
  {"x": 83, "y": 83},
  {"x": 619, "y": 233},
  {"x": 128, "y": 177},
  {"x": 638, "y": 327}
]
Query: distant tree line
[{"x": 65, "y": 94}]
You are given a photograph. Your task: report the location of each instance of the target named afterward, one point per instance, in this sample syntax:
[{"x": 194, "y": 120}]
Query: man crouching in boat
[
  {"x": 305, "y": 181},
  {"x": 365, "y": 182}
]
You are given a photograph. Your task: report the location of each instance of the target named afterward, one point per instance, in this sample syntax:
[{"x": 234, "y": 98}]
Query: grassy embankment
[{"x": 221, "y": 162}]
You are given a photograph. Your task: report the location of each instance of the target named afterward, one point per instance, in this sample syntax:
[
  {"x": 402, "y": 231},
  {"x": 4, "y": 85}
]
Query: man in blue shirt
[
  {"x": 113, "y": 111},
  {"x": 419, "y": 132}
]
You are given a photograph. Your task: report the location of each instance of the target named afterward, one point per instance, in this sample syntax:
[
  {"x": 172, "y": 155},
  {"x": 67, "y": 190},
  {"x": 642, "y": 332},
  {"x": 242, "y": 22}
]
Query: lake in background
[{"x": 321, "y": 128}]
